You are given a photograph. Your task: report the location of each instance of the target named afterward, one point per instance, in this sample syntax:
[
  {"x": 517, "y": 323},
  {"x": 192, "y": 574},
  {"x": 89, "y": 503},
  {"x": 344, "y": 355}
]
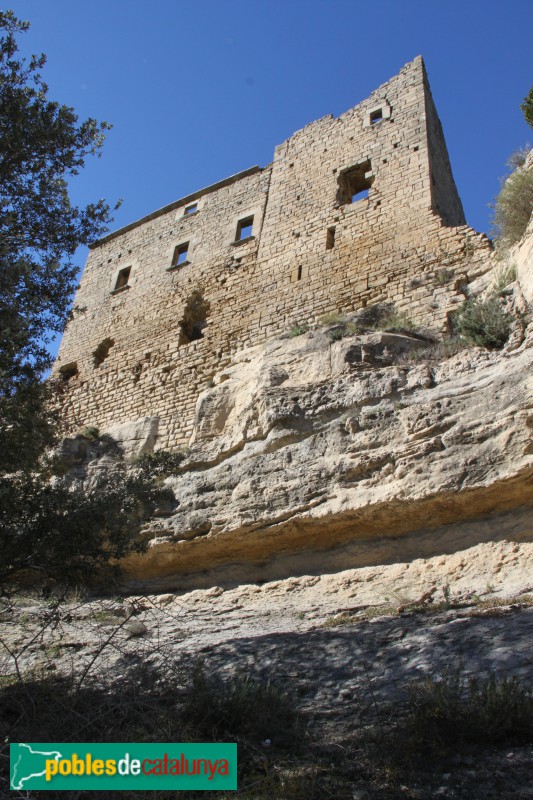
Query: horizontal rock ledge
[{"x": 313, "y": 544}]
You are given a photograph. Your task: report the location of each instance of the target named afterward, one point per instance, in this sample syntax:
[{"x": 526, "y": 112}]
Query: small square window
[
  {"x": 180, "y": 257},
  {"x": 244, "y": 229},
  {"x": 377, "y": 114},
  {"x": 122, "y": 279},
  {"x": 192, "y": 209}
]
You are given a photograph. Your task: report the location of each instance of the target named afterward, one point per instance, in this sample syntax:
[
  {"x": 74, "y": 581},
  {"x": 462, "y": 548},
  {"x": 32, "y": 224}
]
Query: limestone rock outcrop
[{"x": 317, "y": 453}]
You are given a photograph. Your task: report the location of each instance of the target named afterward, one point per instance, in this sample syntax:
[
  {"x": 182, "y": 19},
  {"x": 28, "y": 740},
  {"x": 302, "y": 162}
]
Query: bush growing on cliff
[
  {"x": 379, "y": 317},
  {"x": 513, "y": 207},
  {"x": 298, "y": 329},
  {"x": 503, "y": 277},
  {"x": 396, "y": 322},
  {"x": 518, "y": 157},
  {"x": 483, "y": 323},
  {"x": 161, "y": 463},
  {"x": 332, "y": 318}
]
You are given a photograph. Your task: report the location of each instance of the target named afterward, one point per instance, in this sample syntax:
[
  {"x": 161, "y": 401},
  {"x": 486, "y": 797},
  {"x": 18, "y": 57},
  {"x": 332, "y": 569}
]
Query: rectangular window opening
[
  {"x": 354, "y": 183},
  {"x": 180, "y": 256},
  {"x": 299, "y": 273},
  {"x": 376, "y": 116},
  {"x": 330, "y": 238},
  {"x": 244, "y": 229},
  {"x": 122, "y": 278},
  {"x": 192, "y": 209}
]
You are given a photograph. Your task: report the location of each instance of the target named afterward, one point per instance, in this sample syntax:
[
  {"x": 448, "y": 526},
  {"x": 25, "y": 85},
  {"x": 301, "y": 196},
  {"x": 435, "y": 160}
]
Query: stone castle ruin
[{"x": 353, "y": 211}]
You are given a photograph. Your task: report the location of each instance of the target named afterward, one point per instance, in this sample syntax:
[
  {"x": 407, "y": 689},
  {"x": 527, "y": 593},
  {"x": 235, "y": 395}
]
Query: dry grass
[
  {"x": 376, "y": 747},
  {"x": 454, "y": 709}
]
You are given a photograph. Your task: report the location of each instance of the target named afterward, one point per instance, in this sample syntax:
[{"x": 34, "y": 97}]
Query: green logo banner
[{"x": 123, "y": 766}]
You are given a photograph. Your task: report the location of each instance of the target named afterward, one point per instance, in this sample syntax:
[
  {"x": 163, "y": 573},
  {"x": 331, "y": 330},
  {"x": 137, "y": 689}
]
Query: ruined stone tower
[{"x": 352, "y": 211}]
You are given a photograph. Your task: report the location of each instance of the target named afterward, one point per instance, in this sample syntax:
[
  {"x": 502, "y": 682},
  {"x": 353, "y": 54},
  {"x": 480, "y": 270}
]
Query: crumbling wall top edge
[{"x": 417, "y": 62}]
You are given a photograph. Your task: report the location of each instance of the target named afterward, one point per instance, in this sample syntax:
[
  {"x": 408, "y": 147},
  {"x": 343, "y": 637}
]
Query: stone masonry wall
[
  {"x": 313, "y": 250},
  {"x": 146, "y": 367}
]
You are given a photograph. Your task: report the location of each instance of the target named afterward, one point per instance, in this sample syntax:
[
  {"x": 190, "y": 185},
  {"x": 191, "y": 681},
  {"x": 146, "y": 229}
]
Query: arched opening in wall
[
  {"x": 102, "y": 351},
  {"x": 354, "y": 183},
  {"x": 194, "y": 318},
  {"x": 68, "y": 371}
]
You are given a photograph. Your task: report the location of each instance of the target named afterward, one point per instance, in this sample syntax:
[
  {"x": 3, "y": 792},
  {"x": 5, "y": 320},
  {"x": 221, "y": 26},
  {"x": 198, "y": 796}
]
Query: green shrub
[
  {"x": 513, "y": 207},
  {"x": 89, "y": 432},
  {"x": 433, "y": 353},
  {"x": 149, "y": 702},
  {"x": 240, "y": 707},
  {"x": 54, "y": 531},
  {"x": 339, "y": 620},
  {"x": 161, "y": 463},
  {"x": 503, "y": 277},
  {"x": 483, "y": 323},
  {"x": 527, "y": 108},
  {"x": 343, "y": 329},
  {"x": 298, "y": 329},
  {"x": 446, "y": 713},
  {"x": 443, "y": 276},
  {"x": 380, "y": 317},
  {"x": 332, "y": 318},
  {"x": 337, "y": 333},
  {"x": 395, "y": 322},
  {"x": 370, "y": 316},
  {"x": 518, "y": 157}
]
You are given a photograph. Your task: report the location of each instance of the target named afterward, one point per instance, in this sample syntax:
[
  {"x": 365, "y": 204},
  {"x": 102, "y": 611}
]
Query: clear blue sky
[{"x": 200, "y": 89}]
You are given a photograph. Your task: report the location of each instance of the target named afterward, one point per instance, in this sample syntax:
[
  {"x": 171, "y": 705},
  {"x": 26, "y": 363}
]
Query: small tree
[
  {"x": 47, "y": 527},
  {"x": 52, "y": 532},
  {"x": 527, "y": 108},
  {"x": 42, "y": 145}
]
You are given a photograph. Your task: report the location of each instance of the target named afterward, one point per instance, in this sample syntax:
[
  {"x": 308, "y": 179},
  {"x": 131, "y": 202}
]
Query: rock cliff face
[{"x": 317, "y": 453}]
